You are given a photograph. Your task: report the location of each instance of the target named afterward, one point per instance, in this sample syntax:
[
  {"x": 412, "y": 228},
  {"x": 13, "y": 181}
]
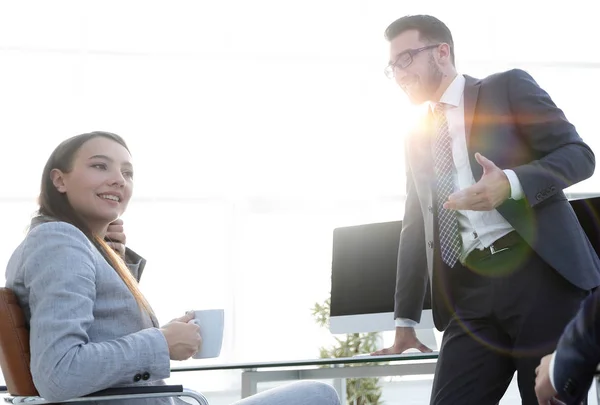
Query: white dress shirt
[
  {"x": 551, "y": 370},
  {"x": 478, "y": 229}
]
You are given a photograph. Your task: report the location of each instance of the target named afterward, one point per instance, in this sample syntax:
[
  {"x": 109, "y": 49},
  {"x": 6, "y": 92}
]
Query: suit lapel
[
  {"x": 470, "y": 97},
  {"x": 470, "y": 102}
]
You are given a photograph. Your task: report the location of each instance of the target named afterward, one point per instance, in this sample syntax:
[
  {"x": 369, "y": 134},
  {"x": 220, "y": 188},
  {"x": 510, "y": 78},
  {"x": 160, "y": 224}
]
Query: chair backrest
[{"x": 14, "y": 346}]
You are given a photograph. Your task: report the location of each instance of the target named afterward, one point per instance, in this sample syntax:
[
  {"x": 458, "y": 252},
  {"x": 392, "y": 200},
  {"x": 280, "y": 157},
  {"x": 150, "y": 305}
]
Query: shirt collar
[{"x": 454, "y": 93}]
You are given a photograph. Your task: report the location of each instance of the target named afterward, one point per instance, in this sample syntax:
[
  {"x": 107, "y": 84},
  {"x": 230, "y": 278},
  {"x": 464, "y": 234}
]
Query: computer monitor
[
  {"x": 363, "y": 276},
  {"x": 587, "y": 210},
  {"x": 363, "y": 279}
]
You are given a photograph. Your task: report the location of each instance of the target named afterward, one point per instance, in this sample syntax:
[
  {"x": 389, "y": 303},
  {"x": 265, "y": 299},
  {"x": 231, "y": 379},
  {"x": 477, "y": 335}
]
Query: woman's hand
[
  {"x": 183, "y": 338},
  {"x": 115, "y": 237}
]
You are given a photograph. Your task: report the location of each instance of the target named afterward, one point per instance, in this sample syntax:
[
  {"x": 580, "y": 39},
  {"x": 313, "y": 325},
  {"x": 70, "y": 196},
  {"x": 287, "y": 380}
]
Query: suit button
[
  {"x": 145, "y": 376},
  {"x": 569, "y": 387},
  {"x": 137, "y": 377},
  {"x": 430, "y": 208},
  {"x": 552, "y": 189},
  {"x": 430, "y": 244}
]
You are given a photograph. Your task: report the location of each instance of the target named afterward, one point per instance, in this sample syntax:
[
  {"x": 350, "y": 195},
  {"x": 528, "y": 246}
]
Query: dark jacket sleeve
[
  {"x": 563, "y": 158},
  {"x": 412, "y": 276},
  {"x": 578, "y": 352}
]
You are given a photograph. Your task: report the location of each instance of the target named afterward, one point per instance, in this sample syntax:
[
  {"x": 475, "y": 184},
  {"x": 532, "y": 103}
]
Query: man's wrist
[
  {"x": 551, "y": 371},
  {"x": 405, "y": 323},
  {"x": 516, "y": 189}
]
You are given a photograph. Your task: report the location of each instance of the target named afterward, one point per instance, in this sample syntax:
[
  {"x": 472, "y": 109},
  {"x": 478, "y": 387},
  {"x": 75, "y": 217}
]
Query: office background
[{"x": 256, "y": 128}]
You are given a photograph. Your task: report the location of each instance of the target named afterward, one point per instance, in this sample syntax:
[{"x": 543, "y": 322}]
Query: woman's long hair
[{"x": 56, "y": 204}]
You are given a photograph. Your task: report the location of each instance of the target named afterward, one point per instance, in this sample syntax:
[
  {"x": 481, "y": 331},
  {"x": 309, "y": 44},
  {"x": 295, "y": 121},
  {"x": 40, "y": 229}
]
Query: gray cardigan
[{"x": 87, "y": 331}]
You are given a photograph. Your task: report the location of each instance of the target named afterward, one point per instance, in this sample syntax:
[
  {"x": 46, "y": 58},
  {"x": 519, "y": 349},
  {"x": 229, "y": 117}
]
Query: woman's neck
[{"x": 98, "y": 229}]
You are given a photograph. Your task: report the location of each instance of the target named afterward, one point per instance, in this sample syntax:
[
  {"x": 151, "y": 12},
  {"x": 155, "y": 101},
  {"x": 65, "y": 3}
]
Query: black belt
[{"x": 504, "y": 243}]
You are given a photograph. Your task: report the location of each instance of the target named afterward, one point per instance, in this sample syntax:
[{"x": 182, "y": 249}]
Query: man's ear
[
  {"x": 444, "y": 53},
  {"x": 58, "y": 179}
]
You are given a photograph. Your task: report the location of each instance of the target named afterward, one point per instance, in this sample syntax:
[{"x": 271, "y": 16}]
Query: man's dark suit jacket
[
  {"x": 578, "y": 352},
  {"x": 513, "y": 122}
]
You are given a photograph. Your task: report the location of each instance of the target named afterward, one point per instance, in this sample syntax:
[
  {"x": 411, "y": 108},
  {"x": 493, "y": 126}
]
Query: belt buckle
[{"x": 493, "y": 250}]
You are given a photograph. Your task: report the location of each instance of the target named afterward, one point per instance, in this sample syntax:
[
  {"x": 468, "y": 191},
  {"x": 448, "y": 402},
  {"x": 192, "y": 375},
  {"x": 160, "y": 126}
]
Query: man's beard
[{"x": 428, "y": 84}]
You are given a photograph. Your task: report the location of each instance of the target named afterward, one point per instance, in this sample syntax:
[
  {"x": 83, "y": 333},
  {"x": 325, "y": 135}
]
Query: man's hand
[
  {"x": 488, "y": 193},
  {"x": 115, "y": 238},
  {"x": 405, "y": 339},
  {"x": 543, "y": 387}
]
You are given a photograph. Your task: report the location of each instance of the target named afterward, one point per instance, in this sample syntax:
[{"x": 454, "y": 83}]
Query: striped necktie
[{"x": 442, "y": 156}]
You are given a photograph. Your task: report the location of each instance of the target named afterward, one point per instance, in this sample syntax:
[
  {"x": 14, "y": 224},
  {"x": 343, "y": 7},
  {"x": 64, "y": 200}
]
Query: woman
[{"x": 90, "y": 326}]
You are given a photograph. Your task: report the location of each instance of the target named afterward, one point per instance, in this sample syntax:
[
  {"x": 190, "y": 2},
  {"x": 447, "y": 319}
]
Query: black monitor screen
[
  {"x": 588, "y": 213},
  {"x": 363, "y": 276}
]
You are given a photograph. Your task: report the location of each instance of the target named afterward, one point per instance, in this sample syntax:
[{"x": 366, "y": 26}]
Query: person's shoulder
[
  {"x": 56, "y": 228},
  {"x": 59, "y": 248},
  {"x": 503, "y": 77},
  {"x": 55, "y": 234}
]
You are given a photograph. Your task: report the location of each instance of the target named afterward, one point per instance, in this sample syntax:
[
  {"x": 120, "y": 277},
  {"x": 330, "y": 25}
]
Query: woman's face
[{"x": 99, "y": 184}]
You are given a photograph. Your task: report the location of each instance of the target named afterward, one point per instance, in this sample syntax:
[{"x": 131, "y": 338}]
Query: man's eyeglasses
[{"x": 404, "y": 60}]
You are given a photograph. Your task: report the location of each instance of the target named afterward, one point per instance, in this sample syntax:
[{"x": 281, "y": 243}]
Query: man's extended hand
[
  {"x": 488, "y": 193},
  {"x": 543, "y": 386},
  {"x": 406, "y": 338},
  {"x": 115, "y": 237}
]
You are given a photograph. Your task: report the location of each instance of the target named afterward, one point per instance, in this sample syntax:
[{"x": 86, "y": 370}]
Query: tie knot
[{"x": 439, "y": 108}]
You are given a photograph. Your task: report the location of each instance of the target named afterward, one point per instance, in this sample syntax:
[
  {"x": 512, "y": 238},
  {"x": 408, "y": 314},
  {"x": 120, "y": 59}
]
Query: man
[
  {"x": 486, "y": 220},
  {"x": 569, "y": 371}
]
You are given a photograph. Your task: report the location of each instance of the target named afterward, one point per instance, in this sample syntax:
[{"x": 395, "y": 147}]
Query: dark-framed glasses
[{"x": 404, "y": 60}]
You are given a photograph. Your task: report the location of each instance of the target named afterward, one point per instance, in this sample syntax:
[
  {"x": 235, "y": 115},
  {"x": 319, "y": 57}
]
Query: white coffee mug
[{"x": 211, "y": 323}]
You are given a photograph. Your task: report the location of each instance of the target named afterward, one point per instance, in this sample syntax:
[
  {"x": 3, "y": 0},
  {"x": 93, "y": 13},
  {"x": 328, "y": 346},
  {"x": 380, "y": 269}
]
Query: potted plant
[{"x": 359, "y": 391}]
